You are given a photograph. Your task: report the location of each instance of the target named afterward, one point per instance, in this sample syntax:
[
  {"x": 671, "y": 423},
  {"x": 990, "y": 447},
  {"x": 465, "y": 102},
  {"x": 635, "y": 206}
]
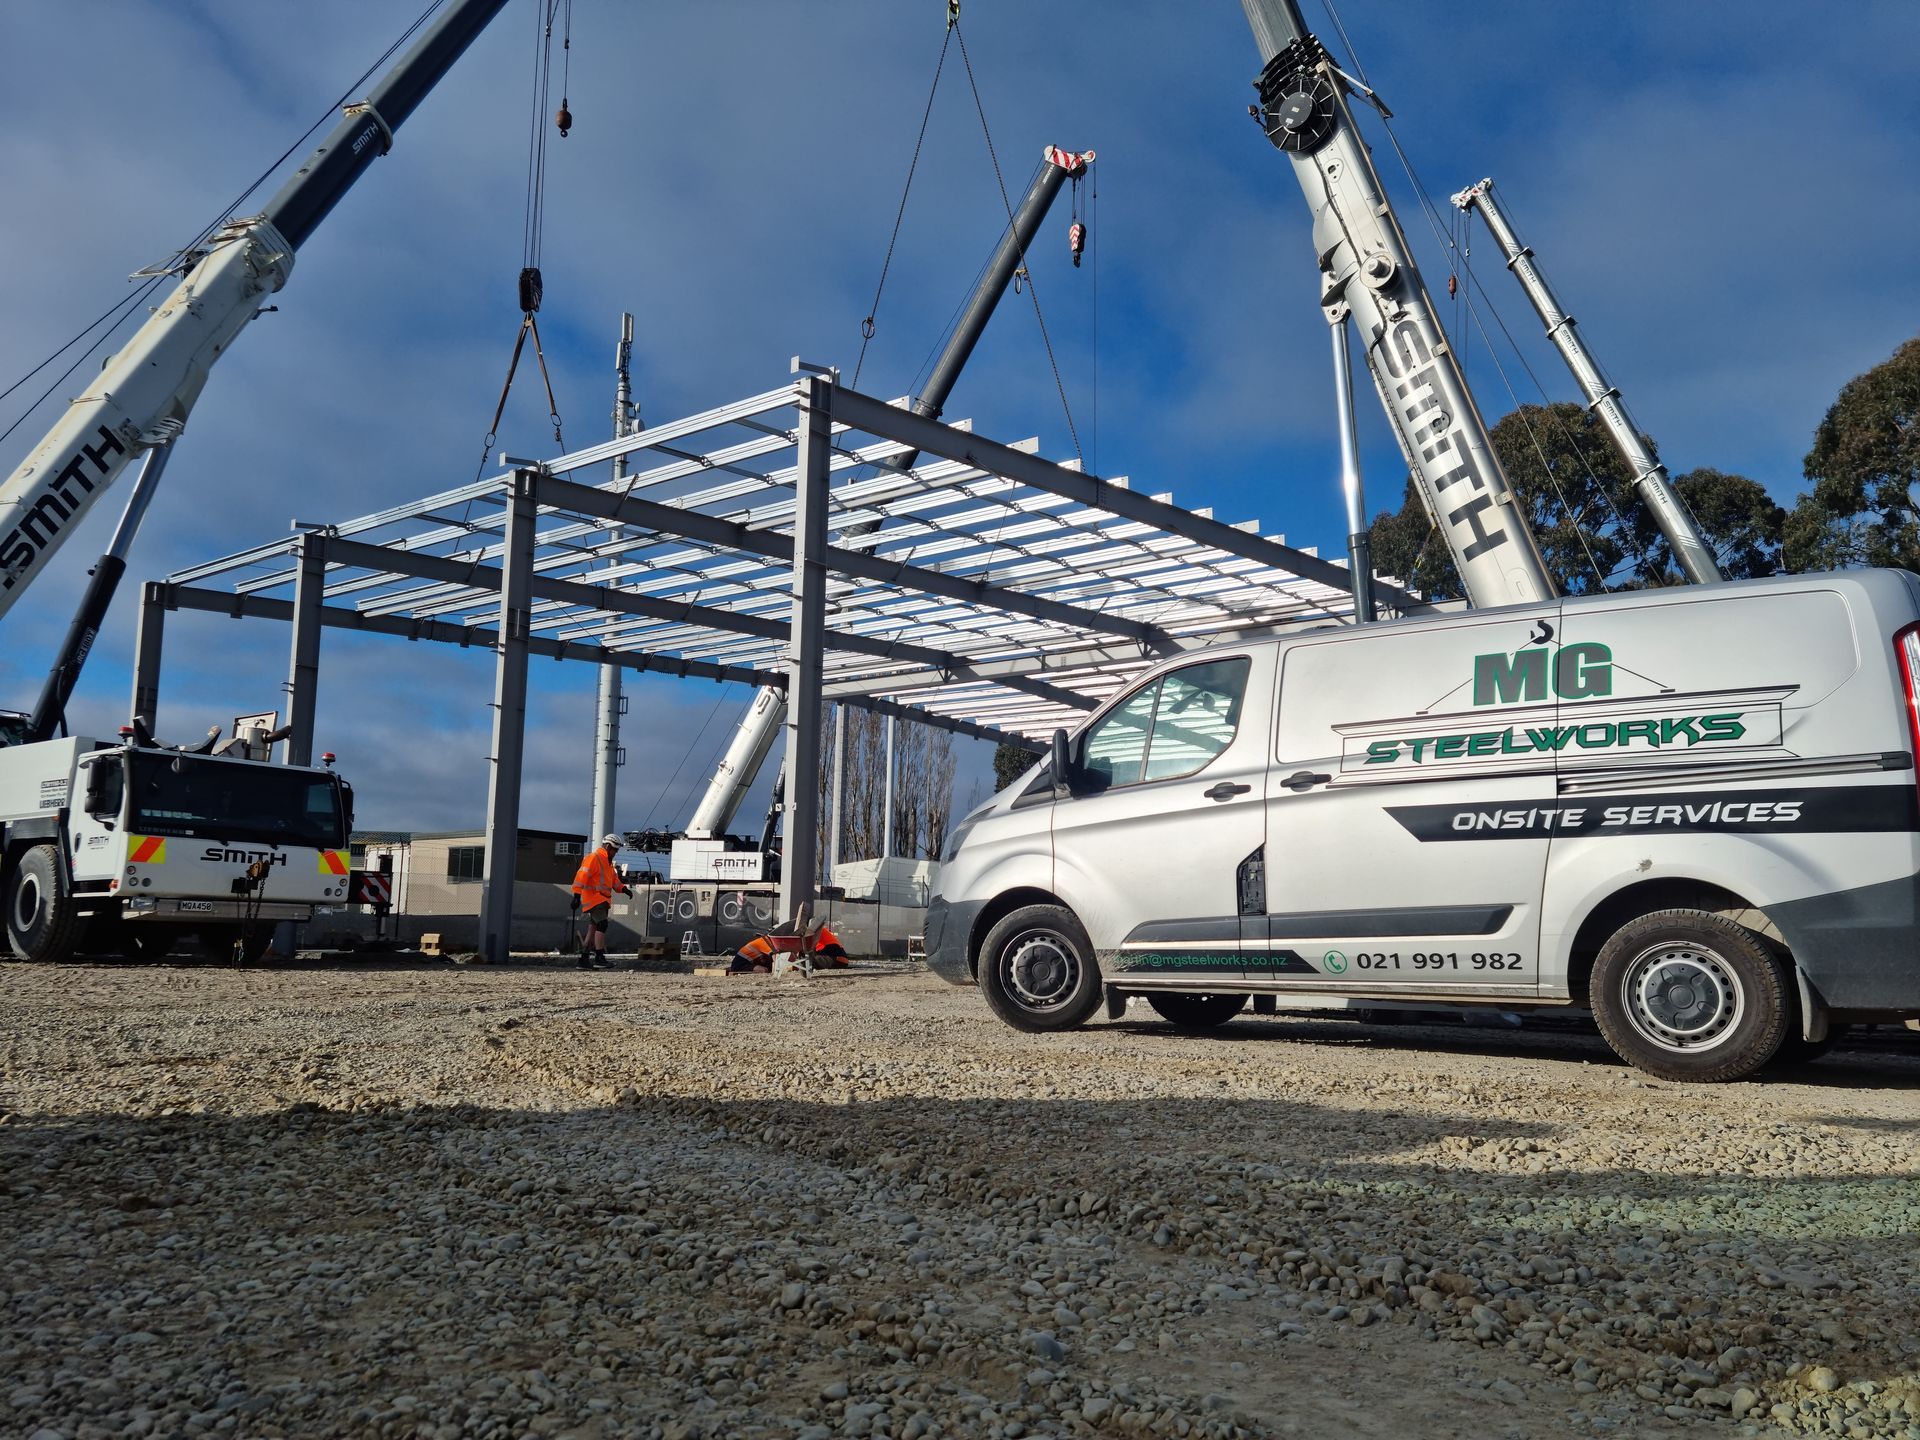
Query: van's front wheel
[
  {"x": 1037, "y": 970},
  {"x": 1688, "y": 995}
]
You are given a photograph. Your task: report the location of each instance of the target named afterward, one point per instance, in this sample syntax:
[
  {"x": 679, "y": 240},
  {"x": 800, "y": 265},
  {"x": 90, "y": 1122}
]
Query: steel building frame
[{"x": 999, "y": 595}]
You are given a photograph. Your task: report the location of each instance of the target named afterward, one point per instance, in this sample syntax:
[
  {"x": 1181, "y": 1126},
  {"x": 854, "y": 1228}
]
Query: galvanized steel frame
[{"x": 985, "y": 589}]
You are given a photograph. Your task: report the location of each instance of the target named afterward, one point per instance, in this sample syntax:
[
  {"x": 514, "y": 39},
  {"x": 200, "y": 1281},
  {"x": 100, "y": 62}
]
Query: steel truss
[{"x": 985, "y": 590}]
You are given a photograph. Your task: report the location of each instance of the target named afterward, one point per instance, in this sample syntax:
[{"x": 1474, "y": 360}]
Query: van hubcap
[
  {"x": 1041, "y": 970},
  {"x": 1683, "y": 997},
  {"x": 26, "y": 904}
]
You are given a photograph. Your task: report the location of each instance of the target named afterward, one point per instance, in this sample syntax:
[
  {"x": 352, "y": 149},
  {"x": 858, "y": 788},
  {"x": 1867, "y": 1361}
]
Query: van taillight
[{"x": 1906, "y": 644}]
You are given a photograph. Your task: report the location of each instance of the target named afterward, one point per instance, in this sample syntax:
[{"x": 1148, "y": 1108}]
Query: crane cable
[
  {"x": 1033, "y": 292},
  {"x": 532, "y": 288},
  {"x": 867, "y": 325}
]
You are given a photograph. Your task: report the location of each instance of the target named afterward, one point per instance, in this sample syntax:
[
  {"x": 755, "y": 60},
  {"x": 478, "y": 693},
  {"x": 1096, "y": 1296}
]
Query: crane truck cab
[
  {"x": 127, "y": 846},
  {"x": 1690, "y": 811}
]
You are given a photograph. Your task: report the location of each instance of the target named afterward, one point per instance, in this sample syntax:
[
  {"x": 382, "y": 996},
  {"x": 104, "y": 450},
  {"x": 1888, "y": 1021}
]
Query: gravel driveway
[{"x": 445, "y": 1202}]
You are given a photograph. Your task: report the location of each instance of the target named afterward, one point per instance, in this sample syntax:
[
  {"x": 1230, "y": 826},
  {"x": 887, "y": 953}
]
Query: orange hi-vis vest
[{"x": 594, "y": 881}]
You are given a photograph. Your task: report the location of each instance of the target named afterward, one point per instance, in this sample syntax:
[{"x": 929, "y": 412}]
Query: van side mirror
[{"x": 1059, "y": 762}]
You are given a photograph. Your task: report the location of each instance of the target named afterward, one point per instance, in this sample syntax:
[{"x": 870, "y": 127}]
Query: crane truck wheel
[
  {"x": 1038, "y": 972},
  {"x": 1689, "y": 995},
  {"x": 41, "y": 921},
  {"x": 1197, "y": 1012}
]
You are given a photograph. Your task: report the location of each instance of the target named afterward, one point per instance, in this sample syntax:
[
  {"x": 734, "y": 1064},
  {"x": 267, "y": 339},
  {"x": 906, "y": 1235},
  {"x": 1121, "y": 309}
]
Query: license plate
[{"x": 196, "y": 907}]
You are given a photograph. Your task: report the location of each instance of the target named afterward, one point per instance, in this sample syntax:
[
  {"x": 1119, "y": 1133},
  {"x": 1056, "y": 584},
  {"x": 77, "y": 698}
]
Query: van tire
[
  {"x": 42, "y": 924},
  {"x": 1197, "y": 1012},
  {"x": 1038, "y": 972},
  {"x": 1689, "y": 995}
]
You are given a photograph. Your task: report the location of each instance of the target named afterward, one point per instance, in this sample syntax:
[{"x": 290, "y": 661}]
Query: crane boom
[
  {"x": 768, "y": 712},
  {"x": 1603, "y": 398},
  {"x": 147, "y": 389},
  {"x": 1367, "y": 271}
]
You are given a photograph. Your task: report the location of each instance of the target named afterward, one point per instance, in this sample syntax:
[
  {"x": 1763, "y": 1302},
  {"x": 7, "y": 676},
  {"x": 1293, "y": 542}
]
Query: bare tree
[{"x": 922, "y": 789}]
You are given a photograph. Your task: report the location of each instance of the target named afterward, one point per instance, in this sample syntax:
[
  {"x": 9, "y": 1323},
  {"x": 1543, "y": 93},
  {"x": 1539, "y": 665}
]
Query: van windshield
[{"x": 233, "y": 800}]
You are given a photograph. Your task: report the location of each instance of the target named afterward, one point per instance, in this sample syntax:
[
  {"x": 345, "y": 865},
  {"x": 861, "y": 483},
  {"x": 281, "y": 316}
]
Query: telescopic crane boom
[
  {"x": 1603, "y": 398},
  {"x": 754, "y": 738},
  {"x": 1367, "y": 273},
  {"x": 145, "y": 392}
]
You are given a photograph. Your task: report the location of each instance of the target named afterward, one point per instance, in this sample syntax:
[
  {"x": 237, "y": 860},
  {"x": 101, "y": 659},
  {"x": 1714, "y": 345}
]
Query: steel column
[
  {"x": 509, "y": 723},
  {"x": 303, "y": 663},
  {"x": 886, "y": 794},
  {"x": 146, "y": 652},
  {"x": 836, "y": 820},
  {"x": 608, "y": 701},
  {"x": 800, "y": 857}
]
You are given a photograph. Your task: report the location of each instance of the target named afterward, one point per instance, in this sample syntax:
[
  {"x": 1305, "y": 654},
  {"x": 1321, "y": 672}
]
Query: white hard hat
[{"x": 613, "y": 840}]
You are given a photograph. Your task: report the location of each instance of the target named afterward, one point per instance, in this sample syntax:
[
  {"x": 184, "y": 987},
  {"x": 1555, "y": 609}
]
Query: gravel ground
[{"x": 449, "y": 1202}]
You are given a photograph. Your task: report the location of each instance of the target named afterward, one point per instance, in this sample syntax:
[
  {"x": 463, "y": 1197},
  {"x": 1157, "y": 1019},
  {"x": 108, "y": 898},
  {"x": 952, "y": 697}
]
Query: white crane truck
[{"x": 125, "y": 844}]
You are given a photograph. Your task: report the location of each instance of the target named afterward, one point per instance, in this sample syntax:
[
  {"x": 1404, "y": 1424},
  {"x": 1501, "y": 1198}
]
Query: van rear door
[{"x": 1410, "y": 805}]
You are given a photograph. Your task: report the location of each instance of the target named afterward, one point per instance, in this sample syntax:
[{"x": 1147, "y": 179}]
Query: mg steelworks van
[{"x": 1692, "y": 811}]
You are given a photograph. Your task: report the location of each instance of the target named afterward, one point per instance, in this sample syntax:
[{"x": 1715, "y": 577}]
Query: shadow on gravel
[
  {"x": 1890, "y": 1063},
  {"x": 256, "y": 1243}
]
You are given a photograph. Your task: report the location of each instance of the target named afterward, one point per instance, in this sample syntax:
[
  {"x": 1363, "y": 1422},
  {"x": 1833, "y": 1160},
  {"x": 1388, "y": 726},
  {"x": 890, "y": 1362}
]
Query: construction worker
[
  {"x": 594, "y": 884},
  {"x": 827, "y": 949}
]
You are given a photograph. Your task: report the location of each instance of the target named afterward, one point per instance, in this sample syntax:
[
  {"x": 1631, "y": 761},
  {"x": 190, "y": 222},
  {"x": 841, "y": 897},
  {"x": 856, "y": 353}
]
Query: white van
[{"x": 1692, "y": 811}]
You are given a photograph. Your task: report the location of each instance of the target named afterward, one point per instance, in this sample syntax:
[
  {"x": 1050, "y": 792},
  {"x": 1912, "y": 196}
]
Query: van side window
[
  {"x": 1170, "y": 728},
  {"x": 1198, "y": 713}
]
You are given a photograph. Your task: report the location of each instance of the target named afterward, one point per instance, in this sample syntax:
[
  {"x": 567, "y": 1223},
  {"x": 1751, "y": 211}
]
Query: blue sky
[{"x": 1721, "y": 192}]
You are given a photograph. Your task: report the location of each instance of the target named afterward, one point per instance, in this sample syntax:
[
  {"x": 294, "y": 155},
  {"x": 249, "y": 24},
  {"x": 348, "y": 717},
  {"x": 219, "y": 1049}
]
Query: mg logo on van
[{"x": 1580, "y": 671}]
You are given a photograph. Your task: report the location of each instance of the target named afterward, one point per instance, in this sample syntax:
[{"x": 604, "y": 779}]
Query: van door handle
[
  {"x": 1305, "y": 780},
  {"x": 1226, "y": 790}
]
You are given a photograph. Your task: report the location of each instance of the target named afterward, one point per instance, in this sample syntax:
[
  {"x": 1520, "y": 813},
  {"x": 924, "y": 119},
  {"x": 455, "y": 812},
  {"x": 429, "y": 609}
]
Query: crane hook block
[
  {"x": 563, "y": 117},
  {"x": 531, "y": 290},
  {"x": 1076, "y": 241}
]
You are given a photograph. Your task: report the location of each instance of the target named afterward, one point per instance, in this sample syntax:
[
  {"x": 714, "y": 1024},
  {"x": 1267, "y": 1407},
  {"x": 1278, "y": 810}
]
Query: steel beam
[
  {"x": 222, "y": 602},
  {"x": 799, "y": 858},
  {"x": 679, "y": 612},
  {"x": 732, "y": 535},
  {"x": 303, "y": 663},
  {"x": 876, "y": 417},
  {"x": 509, "y": 723},
  {"x": 146, "y": 653}
]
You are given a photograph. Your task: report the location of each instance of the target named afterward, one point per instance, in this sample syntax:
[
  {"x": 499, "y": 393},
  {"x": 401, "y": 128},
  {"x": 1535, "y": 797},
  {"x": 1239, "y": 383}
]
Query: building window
[
  {"x": 569, "y": 847},
  {"x": 466, "y": 862}
]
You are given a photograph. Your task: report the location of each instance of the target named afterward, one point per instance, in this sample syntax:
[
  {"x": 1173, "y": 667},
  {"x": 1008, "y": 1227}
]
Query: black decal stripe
[
  {"x": 1400, "y": 921},
  {"x": 1828, "y": 810}
]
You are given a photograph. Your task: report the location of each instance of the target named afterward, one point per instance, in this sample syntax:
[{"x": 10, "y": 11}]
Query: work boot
[{"x": 600, "y": 960}]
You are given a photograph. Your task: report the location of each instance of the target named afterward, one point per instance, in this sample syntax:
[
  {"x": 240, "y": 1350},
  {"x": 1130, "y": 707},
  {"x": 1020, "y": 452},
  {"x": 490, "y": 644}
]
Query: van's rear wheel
[
  {"x": 41, "y": 922},
  {"x": 1037, "y": 970},
  {"x": 1688, "y": 995},
  {"x": 1197, "y": 1012}
]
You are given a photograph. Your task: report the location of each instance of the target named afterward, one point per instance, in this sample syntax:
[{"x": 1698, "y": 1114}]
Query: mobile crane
[
  {"x": 704, "y": 851},
  {"x": 1367, "y": 275},
  {"x": 121, "y": 845}
]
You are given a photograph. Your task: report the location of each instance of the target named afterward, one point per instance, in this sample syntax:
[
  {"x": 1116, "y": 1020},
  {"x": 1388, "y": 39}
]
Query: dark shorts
[{"x": 598, "y": 914}]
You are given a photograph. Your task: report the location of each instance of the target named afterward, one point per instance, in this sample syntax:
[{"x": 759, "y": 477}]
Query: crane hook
[
  {"x": 563, "y": 117},
  {"x": 1076, "y": 241}
]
